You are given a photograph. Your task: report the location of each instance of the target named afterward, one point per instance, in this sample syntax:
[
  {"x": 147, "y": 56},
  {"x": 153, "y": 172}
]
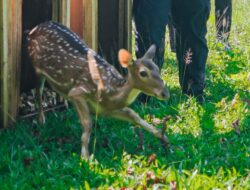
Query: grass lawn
[{"x": 210, "y": 143}]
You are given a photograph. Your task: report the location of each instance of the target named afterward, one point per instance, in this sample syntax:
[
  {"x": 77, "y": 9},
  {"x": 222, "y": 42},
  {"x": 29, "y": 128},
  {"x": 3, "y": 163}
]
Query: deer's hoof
[
  {"x": 165, "y": 140},
  {"x": 84, "y": 154}
]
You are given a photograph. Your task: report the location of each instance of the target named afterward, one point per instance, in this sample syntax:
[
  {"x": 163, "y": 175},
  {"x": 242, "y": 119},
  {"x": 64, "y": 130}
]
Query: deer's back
[{"x": 60, "y": 56}]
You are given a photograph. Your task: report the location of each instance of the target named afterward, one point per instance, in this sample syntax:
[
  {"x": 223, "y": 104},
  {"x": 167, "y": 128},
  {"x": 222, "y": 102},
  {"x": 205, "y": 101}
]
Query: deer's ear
[
  {"x": 125, "y": 58},
  {"x": 150, "y": 54},
  {"x": 74, "y": 92}
]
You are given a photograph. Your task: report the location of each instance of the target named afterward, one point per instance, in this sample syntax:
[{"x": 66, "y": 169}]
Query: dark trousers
[
  {"x": 151, "y": 17},
  {"x": 189, "y": 18},
  {"x": 223, "y": 19}
]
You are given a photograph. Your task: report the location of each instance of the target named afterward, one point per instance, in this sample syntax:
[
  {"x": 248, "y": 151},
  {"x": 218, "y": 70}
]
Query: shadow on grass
[{"x": 234, "y": 65}]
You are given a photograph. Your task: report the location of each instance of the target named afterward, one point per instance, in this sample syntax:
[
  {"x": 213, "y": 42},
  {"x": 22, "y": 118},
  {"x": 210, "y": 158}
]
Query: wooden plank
[
  {"x": 64, "y": 13},
  {"x": 108, "y": 30},
  {"x": 114, "y": 29},
  {"x": 3, "y": 59},
  {"x": 61, "y": 11},
  {"x": 55, "y": 10},
  {"x": 128, "y": 28},
  {"x": 90, "y": 31},
  {"x": 15, "y": 68},
  {"x": 125, "y": 24},
  {"x": 77, "y": 17},
  {"x": 14, "y": 58},
  {"x": 121, "y": 24},
  {"x": 10, "y": 60},
  {"x": 34, "y": 12}
]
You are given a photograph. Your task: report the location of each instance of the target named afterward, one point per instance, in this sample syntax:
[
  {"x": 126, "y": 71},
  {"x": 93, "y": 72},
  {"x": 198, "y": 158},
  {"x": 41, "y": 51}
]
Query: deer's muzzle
[{"x": 163, "y": 95}]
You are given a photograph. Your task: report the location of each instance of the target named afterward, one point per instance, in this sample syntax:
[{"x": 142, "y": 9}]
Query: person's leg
[
  {"x": 190, "y": 20},
  {"x": 223, "y": 19},
  {"x": 172, "y": 35},
  {"x": 151, "y": 18}
]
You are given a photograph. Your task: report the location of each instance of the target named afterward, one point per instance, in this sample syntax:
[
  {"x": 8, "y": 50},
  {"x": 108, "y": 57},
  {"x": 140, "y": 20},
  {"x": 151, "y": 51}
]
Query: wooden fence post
[
  {"x": 115, "y": 23},
  {"x": 125, "y": 24},
  {"x": 128, "y": 21},
  {"x": 65, "y": 12},
  {"x": 90, "y": 31},
  {"x": 61, "y": 11},
  {"x": 10, "y": 56}
]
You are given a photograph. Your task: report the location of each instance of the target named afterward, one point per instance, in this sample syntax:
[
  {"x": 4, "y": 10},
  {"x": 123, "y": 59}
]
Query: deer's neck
[{"x": 127, "y": 93}]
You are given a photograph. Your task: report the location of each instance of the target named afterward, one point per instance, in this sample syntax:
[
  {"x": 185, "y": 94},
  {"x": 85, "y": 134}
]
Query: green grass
[{"x": 207, "y": 152}]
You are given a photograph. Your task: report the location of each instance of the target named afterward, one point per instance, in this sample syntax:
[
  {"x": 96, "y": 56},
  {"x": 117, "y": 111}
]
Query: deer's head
[{"x": 144, "y": 73}]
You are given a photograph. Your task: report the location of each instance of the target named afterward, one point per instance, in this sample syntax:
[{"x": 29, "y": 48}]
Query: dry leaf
[
  {"x": 164, "y": 123},
  {"x": 130, "y": 171},
  {"x": 156, "y": 121},
  {"x": 159, "y": 180},
  {"x": 173, "y": 185},
  {"x": 150, "y": 176},
  {"x": 27, "y": 161},
  {"x": 236, "y": 126},
  {"x": 151, "y": 158}
]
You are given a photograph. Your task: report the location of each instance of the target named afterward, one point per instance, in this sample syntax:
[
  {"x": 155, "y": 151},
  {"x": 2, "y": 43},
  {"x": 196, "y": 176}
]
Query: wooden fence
[{"x": 105, "y": 25}]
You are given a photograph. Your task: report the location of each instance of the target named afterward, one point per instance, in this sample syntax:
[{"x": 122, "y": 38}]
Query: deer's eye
[{"x": 143, "y": 74}]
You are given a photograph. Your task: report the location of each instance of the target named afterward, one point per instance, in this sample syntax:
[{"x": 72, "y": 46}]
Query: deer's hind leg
[
  {"x": 39, "y": 94},
  {"x": 84, "y": 115}
]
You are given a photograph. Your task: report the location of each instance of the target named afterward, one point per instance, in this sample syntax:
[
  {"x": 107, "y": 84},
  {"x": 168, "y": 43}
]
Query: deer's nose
[{"x": 165, "y": 94}]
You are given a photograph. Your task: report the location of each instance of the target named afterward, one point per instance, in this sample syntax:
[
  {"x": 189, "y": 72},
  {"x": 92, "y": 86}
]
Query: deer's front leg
[
  {"x": 84, "y": 115},
  {"x": 130, "y": 115}
]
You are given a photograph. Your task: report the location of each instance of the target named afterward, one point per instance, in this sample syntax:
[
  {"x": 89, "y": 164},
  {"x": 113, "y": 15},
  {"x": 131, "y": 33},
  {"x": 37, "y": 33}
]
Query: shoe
[{"x": 225, "y": 44}]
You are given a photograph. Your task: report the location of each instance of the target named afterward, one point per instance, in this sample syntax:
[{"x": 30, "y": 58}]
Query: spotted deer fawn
[{"x": 93, "y": 85}]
